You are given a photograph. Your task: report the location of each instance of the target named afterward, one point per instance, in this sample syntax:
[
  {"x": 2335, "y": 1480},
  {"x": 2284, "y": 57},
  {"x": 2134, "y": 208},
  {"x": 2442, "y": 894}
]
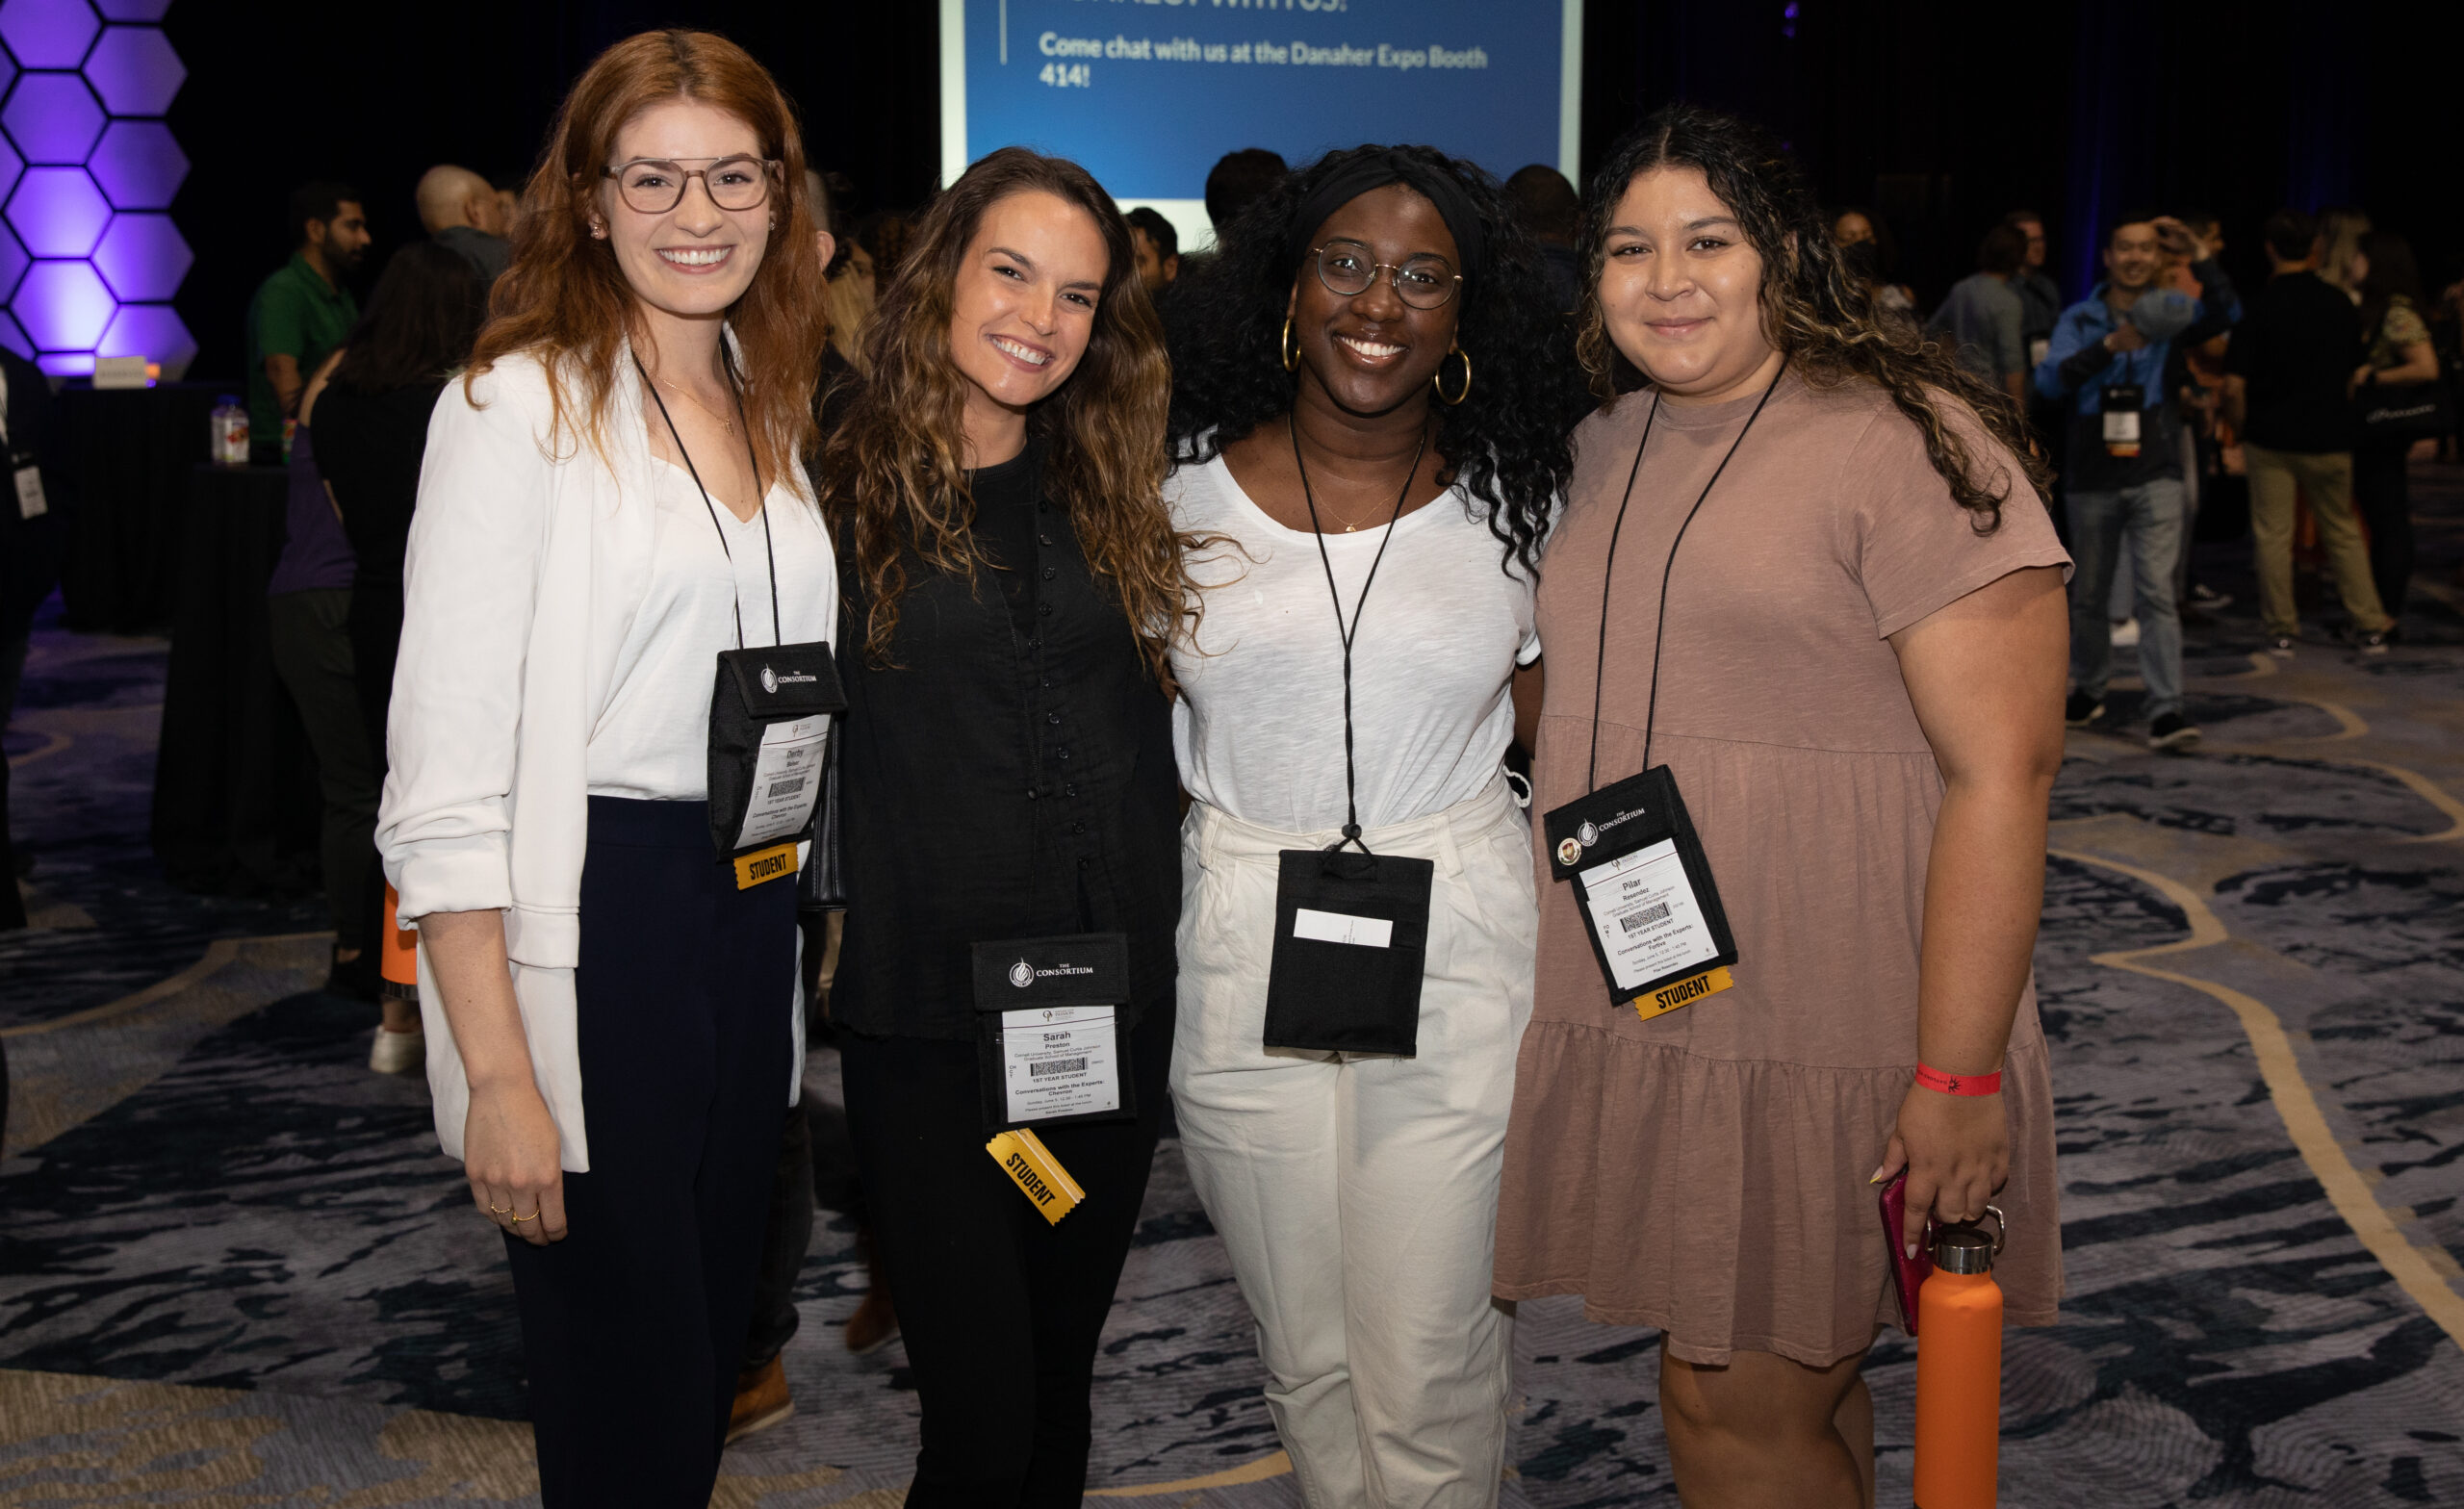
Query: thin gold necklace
[{"x": 687, "y": 395}]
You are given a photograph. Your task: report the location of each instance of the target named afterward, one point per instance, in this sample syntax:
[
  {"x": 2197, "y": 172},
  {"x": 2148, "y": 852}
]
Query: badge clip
[{"x": 1038, "y": 1174}]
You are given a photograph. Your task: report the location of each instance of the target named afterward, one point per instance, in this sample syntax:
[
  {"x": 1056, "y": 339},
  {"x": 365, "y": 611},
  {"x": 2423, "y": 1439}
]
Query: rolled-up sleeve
[{"x": 470, "y": 580}]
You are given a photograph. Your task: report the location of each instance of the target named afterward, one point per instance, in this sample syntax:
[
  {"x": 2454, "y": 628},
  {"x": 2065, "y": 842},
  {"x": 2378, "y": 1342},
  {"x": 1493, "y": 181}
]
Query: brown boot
[
  {"x": 762, "y": 1399},
  {"x": 875, "y": 1325}
]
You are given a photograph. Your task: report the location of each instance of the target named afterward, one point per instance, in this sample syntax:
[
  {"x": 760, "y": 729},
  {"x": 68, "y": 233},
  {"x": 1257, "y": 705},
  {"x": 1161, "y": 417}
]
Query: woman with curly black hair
[
  {"x": 1369, "y": 457},
  {"x": 1821, "y": 554}
]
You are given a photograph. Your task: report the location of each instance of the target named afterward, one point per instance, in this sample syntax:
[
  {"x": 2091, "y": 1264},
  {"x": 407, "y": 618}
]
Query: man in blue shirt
[{"x": 2122, "y": 379}]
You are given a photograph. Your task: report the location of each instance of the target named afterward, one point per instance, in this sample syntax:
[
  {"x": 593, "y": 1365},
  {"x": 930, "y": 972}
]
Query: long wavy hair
[
  {"x": 1814, "y": 307},
  {"x": 419, "y": 324},
  {"x": 565, "y": 300},
  {"x": 1506, "y": 442},
  {"x": 892, "y": 476}
]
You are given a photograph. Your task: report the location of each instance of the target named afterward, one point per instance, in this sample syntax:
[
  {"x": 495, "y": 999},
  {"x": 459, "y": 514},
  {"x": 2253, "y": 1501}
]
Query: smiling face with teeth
[
  {"x": 1021, "y": 312},
  {"x": 1370, "y": 353},
  {"x": 695, "y": 261}
]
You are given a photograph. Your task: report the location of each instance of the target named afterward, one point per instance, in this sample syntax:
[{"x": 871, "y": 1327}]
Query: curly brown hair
[
  {"x": 893, "y": 478},
  {"x": 1813, "y": 308},
  {"x": 564, "y": 299}
]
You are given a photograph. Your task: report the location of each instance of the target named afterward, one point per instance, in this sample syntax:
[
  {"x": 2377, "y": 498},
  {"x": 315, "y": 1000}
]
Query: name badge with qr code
[
  {"x": 1644, "y": 887},
  {"x": 1059, "y": 1060},
  {"x": 31, "y": 503},
  {"x": 1052, "y": 1030}
]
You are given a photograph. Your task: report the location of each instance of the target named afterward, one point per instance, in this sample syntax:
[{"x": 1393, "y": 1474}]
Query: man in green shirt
[{"x": 302, "y": 311}]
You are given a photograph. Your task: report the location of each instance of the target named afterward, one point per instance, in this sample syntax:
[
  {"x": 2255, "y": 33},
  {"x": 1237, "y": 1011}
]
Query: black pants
[
  {"x": 2382, "y": 494},
  {"x": 787, "y": 1237},
  {"x": 312, "y": 655},
  {"x": 632, "y": 1325},
  {"x": 1001, "y": 1311}
]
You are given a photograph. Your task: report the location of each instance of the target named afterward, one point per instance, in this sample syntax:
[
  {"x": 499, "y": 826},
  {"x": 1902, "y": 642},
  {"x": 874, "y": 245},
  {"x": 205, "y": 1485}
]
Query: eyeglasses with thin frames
[
  {"x": 1346, "y": 269},
  {"x": 654, "y": 185}
]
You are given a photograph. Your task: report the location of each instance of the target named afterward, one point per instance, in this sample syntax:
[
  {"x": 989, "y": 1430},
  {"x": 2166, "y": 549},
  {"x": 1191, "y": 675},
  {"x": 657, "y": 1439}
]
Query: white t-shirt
[
  {"x": 1259, "y": 726},
  {"x": 653, "y": 741}
]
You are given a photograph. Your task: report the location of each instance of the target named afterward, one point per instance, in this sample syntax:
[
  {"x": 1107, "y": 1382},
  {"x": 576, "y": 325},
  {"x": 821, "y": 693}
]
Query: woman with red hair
[{"x": 611, "y": 500}]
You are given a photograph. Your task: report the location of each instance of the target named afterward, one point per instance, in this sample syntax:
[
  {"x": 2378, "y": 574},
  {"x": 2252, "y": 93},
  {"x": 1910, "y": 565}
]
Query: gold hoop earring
[
  {"x": 1437, "y": 378},
  {"x": 1291, "y": 348}
]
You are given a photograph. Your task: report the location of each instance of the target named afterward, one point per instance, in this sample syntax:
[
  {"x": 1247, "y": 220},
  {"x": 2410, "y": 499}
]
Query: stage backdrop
[{"x": 1148, "y": 93}]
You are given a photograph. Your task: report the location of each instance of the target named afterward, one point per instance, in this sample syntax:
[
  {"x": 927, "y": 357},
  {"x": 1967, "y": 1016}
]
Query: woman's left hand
[{"x": 1957, "y": 1151}]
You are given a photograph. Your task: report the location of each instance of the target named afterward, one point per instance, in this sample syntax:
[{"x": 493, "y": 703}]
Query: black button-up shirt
[{"x": 1010, "y": 776}]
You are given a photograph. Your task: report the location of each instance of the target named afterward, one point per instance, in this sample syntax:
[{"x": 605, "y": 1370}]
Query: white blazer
[{"x": 528, "y": 558}]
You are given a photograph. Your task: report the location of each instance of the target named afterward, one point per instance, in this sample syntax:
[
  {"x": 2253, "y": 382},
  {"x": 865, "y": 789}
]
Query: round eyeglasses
[
  {"x": 654, "y": 186},
  {"x": 1346, "y": 269}
]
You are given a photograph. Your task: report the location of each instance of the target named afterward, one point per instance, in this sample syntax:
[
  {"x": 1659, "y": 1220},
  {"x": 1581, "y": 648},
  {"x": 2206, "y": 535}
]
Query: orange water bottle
[
  {"x": 1958, "y": 1370},
  {"x": 397, "y": 963}
]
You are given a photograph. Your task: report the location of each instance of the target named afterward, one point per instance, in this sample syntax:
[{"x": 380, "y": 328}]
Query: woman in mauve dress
[{"x": 1859, "y": 700}]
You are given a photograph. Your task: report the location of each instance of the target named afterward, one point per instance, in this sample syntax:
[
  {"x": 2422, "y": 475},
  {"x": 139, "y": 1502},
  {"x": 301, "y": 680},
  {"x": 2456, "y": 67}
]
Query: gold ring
[
  {"x": 532, "y": 1217},
  {"x": 500, "y": 1210}
]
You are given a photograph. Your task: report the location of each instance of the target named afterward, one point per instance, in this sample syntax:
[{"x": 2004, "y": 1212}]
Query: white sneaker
[
  {"x": 2126, "y": 635},
  {"x": 398, "y": 1053}
]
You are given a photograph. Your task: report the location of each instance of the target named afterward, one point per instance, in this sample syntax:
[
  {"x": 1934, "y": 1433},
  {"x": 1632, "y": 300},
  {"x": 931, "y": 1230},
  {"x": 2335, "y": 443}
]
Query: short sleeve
[{"x": 1912, "y": 546}]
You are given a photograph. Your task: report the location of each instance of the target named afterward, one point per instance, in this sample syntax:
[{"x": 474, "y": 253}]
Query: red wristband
[{"x": 1960, "y": 1083}]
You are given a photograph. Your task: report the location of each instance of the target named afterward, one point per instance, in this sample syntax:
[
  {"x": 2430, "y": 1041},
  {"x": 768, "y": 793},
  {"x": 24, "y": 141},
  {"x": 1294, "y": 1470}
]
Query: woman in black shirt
[
  {"x": 371, "y": 430},
  {"x": 1012, "y": 584}
]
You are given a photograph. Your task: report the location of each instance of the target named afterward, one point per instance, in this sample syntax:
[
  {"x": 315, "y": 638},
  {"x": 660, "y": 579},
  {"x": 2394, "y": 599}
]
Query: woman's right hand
[{"x": 510, "y": 1152}]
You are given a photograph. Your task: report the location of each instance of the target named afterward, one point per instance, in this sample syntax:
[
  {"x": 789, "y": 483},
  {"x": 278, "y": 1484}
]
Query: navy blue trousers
[{"x": 633, "y": 1324}]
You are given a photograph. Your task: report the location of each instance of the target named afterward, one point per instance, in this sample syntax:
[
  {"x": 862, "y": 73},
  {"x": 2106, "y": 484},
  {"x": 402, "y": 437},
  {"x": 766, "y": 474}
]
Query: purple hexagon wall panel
[
  {"x": 153, "y": 332},
  {"x": 76, "y": 279},
  {"x": 142, "y": 258},
  {"x": 138, "y": 165},
  {"x": 52, "y": 118},
  {"x": 63, "y": 306},
  {"x": 58, "y": 212},
  {"x": 49, "y": 33},
  {"x": 135, "y": 71}
]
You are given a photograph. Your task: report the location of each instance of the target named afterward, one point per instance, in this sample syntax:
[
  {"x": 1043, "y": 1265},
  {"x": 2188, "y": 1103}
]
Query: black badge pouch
[
  {"x": 1643, "y": 883},
  {"x": 770, "y": 708},
  {"x": 771, "y": 725},
  {"x": 1351, "y": 940},
  {"x": 1351, "y": 927},
  {"x": 2120, "y": 408},
  {"x": 1051, "y": 1035},
  {"x": 1629, "y": 849}
]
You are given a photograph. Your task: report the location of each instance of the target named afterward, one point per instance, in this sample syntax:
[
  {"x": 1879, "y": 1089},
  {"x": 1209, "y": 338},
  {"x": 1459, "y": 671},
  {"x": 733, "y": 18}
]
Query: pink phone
[{"x": 1907, "y": 1274}]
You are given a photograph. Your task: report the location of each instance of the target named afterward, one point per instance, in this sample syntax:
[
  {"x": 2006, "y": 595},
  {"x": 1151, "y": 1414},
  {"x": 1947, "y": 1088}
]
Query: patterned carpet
[{"x": 233, "y": 1269}]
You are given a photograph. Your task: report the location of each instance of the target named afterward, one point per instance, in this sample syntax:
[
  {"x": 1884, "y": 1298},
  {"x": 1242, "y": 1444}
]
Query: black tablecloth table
[
  {"x": 131, "y": 450},
  {"x": 236, "y": 805}
]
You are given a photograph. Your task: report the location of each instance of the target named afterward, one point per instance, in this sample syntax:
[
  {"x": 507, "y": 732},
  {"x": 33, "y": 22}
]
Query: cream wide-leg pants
[{"x": 1358, "y": 1195}]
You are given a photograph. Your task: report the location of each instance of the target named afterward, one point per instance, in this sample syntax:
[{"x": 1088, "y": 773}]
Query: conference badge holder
[
  {"x": 2119, "y": 406},
  {"x": 1053, "y": 1050},
  {"x": 1629, "y": 849},
  {"x": 771, "y": 716},
  {"x": 24, "y": 467},
  {"x": 1351, "y": 927},
  {"x": 770, "y": 711},
  {"x": 1644, "y": 887}
]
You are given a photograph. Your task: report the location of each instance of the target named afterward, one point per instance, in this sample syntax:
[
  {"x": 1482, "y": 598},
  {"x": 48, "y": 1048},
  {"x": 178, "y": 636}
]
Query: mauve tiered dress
[{"x": 1706, "y": 1172}]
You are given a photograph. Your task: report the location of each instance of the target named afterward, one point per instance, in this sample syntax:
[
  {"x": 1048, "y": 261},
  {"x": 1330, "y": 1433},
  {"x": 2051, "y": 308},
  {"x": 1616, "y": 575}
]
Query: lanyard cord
[
  {"x": 1608, "y": 574},
  {"x": 1349, "y": 631},
  {"x": 735, "y": 599}
]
